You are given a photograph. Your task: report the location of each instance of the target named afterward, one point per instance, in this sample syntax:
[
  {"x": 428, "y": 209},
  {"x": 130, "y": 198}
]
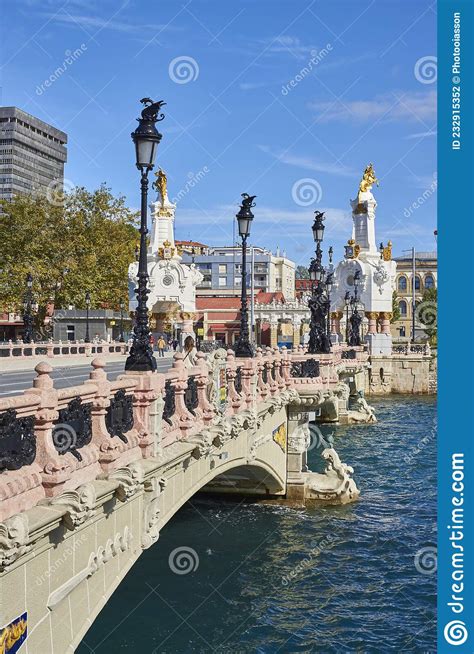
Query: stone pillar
[
  {"x": 385, "y": 321},
  {"x": 298, "y": 441},
  {"x": 296, "y": 331},
  {"x": 158, "y": 324},
  {"x": 273, "y": 332},
  {"x": 372, "y": 318}
]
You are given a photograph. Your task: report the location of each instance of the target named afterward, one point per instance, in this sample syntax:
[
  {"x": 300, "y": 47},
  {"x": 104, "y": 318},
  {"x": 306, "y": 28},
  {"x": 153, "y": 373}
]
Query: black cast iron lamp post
[
  {"x": 243, "y": 347},
  {"x": 355, "y": 321},
  {"x": 146, "y": 138},
  {"x": 87, "y": 339},
  {"x": 27, "y": 314},
  {"x": 347, "y": 301},
  {"x": 122, "y": 307},
  {"x": 319, "y": 341}
]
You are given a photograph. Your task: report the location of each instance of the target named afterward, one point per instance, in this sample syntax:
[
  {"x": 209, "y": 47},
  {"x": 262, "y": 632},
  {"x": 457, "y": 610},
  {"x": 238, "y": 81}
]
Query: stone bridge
[{"x": 91, "y": 473}]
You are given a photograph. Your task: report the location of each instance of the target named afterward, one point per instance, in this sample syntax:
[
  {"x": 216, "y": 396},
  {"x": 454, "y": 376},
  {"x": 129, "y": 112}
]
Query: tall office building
[{"x": 32, "y": 153}]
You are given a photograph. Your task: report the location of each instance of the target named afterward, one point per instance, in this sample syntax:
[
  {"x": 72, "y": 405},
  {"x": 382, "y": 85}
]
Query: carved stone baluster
[{"x": 55, "y": 470}]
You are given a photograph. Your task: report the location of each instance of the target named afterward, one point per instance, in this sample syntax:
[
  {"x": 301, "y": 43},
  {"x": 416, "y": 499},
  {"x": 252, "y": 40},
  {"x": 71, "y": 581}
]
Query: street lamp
[
  {"x": 243, "y": 347},
  {"x": 347, "y": 301},
  {"x": 355, "y": 320},
  {"x": 146, "y": 138},
  {"x": 87, "y": 338},
  {"x": 122, "y": 307},
  {"x": 319, "y": 303},
  {"x": 329, "y": 285},
  {"x": 27, "y": 313}
]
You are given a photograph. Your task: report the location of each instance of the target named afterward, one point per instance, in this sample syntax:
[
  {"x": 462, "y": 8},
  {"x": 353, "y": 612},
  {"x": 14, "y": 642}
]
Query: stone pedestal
[{"x": 379, "y": 343}]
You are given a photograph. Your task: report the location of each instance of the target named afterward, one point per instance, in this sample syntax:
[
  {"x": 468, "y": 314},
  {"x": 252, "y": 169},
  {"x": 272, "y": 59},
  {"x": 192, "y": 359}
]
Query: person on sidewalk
[
  {"x": 190, "y": 352},
  {"x": 161, "y": 346}
]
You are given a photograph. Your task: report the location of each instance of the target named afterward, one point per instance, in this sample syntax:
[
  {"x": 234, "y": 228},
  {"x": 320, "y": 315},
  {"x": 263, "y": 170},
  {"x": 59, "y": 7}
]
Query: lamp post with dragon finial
[
  {"x": 243, "y": 347},
  {"x": 146, "y": 138}
]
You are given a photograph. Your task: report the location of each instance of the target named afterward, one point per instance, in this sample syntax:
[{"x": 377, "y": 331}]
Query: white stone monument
[
  {"x": 377, "y": 271},
  {"x": 172, "y": 298}
]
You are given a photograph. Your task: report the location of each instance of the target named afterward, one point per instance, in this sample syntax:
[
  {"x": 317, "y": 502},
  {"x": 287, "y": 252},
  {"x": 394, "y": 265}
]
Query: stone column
[
  {"x": 296, "y": 331},
  {"x": 298, "y": 441},
  {"x": 187, "y": 319},
  {"x": 372, "y": 318},
  {"x": 159, "y": 322},
  {"x": 273, "y": 332},
  {"x": 385, "y": 321}
]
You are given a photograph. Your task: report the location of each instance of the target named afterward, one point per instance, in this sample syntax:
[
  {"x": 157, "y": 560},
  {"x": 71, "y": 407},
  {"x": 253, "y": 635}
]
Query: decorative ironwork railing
[
  {"x": 238, "y": 380},
  {"x": 17, "y": 440},
  {"x": 119, "y": 416},
  {"x": 73, "y": 428},
  {"x": 170, "y": 402},
  {"x": 349, "y": 354},
  {"x": 306, "y": 368},
  {"x": 191, "y": 398}
]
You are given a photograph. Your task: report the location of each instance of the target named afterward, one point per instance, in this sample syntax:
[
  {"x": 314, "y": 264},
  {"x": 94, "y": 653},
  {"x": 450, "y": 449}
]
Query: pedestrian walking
[{"x": 161, "y": 346}]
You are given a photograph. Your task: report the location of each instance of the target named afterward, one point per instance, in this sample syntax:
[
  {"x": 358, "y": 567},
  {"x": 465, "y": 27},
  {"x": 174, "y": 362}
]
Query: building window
[
  {"x": 222, "y": 269},
  {"x": 429, "y": 281},
  {"x": 403, "y": 307},
  {"x": 222, "y": 281},
  {"x": 417, "y": 283},
  {"x": 402, "y": 283},
  {"x": 70, "y": 332},
  {"x": 402, "y": 332}
]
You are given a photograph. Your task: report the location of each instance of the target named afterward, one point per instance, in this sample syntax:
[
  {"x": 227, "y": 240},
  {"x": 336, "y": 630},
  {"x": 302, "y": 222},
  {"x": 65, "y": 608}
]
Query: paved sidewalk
[{"x": 12, "y": 364}]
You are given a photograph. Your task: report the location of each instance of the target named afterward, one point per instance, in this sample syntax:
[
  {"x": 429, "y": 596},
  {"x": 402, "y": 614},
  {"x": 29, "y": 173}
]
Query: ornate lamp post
[
  {"x": 27, "y": 311},
  {"x": 319, "y": 341},
  {"x": 122, "y": 307},
  {"x": 146, "y": 138},
  {"x": 243, "y": 347},
  {"x": 329, "y": 284},
  {"x": 347, "y": 301},
  {"x": 87, "y": 338},
  {"x": 355, "y": 320}
]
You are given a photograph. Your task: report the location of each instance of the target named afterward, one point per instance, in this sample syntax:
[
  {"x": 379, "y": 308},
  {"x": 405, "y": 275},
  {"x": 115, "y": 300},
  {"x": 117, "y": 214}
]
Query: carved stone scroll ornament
[
  {"x": 130, "y": 480},
  {"x": 80, "y": 504},
  {"x": 14, "y": 536},
  {"x": 152, "y": 512}
]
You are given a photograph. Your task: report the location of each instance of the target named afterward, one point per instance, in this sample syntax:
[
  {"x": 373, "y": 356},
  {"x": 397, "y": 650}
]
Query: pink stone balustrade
[
  {"x": 50, "y": 349},
  {"x": 163, "y": 409}
]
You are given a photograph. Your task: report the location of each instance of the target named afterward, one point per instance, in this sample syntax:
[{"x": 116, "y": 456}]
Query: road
[{"x": 15, "y": 382}]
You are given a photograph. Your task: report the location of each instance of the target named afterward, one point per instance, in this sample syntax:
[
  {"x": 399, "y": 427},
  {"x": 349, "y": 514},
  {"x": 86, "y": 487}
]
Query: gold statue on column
[
  {"x": 161, "y": 185},
  {"x": 368, "y": 179}
]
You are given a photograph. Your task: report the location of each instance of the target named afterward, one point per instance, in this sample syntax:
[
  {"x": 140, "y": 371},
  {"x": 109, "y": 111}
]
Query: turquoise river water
[{"x": 353, "y": 579}]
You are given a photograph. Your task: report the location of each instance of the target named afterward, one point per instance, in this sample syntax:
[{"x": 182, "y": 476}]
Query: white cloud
[
  {"x": 389, "y": 106},
  {"x": 421, "y": 135},
  {"x": 308, "y": 163},
  {"x": 99, "y": 23}
]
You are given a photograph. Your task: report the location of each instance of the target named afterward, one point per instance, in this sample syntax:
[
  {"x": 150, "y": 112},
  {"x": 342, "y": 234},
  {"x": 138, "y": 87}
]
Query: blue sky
[{"x": 285, "y": 100}]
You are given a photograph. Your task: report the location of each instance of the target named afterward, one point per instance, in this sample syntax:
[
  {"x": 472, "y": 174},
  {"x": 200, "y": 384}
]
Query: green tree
[
  {"x": 302, "y": 272},
  {"x": 395, "y": 308},
  {"x": 73, "y": 243}
]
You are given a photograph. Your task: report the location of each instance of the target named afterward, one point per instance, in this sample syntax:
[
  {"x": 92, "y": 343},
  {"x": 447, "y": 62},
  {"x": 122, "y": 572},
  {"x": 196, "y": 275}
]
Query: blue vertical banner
[{"x": 455, "y": 328}]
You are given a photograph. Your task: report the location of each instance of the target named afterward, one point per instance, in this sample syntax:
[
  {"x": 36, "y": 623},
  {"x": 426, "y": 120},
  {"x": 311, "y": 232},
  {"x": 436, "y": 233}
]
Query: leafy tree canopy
[
  {"x": 73, "y": 243},
  {"x": 302, "y": 272},
  {"x": 395, "y": 308}
]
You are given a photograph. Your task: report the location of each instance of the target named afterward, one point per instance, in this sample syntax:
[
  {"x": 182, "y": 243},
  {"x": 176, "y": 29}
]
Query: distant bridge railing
[
  {"x": 52, "y": 349},
  {"x": 412, "y": 348}
]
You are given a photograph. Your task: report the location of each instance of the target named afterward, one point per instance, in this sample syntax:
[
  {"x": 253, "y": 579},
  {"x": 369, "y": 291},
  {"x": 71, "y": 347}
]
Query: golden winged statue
[
  {"x": 368, "y": 179},
  {"x": 160, "y": 185}
]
